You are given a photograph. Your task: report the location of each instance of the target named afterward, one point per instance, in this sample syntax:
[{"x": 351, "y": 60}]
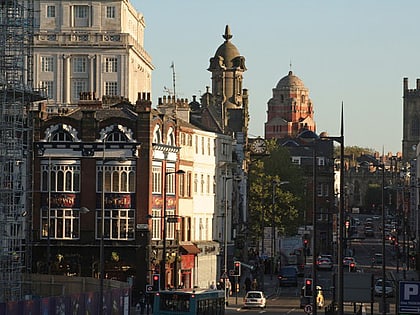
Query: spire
[{"x": 227, "y": 36}]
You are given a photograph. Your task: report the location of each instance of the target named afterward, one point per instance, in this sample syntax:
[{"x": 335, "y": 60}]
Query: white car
[
  {"x": 389, "y": 288},
  {"x": 255, "y": 299}
]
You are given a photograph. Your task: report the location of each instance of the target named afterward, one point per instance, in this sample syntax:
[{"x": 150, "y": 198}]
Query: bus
[{"x": 189, "y": 302}]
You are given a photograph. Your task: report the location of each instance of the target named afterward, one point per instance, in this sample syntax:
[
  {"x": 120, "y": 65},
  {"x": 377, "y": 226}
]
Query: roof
[
  {"x": 227, "y": 50},
  {"x": 290, "y": 80}
]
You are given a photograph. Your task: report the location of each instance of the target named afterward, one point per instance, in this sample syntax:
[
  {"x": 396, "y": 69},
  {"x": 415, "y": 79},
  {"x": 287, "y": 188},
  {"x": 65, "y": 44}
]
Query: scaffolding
[{"x": 16, "y": 81}]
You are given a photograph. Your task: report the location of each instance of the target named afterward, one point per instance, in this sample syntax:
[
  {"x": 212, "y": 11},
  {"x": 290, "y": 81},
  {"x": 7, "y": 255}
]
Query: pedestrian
[
  {"x": 228, "y": 286},
  {"x": 213, "y": 286},
  {"x": 142, "y": 302},
  {"x": 254, "y": 284}
]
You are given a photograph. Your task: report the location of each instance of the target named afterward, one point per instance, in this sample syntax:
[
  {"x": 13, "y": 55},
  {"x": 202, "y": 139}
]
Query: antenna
[
  {"x": 290, "y": 65},
  {"x": 173, "y": 77}
]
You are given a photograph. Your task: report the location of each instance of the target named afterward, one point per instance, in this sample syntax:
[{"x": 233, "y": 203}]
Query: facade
[
  {"x": 290, "y": 109},
  {"x": 95, "y": 48},
  {"x": 411, "y": 120},
  {"x": 324, "y": 202}
]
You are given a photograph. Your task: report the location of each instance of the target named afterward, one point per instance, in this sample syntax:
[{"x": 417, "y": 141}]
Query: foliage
[{"x": 265, "y": 172}]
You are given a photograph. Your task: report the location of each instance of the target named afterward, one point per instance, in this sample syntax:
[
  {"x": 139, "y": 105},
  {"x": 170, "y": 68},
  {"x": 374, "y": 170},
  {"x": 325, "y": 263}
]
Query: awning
[{"x": 189, "y": 249}]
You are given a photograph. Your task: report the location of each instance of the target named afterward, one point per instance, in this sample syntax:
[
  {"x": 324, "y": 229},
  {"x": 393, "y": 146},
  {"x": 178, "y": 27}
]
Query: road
[{"x": 286, "y": 300}]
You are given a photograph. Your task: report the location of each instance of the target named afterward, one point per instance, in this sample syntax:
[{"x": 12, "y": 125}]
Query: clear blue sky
[{"x": 356, "y": 52}]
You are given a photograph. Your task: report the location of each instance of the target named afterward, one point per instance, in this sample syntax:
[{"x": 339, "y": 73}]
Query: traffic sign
[
  {"x": 149, "y": 288},
  {"x": 308, "y": 308},
  {"x": 409, "y": 297}
]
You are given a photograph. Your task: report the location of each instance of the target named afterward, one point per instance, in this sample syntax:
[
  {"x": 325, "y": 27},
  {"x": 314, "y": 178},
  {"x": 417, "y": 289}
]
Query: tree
[{"x": 287, "y": 213}]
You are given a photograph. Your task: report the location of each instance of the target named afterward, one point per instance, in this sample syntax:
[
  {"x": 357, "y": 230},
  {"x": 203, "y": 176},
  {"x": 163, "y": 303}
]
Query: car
[
  {"x": 255, "y": 299},
  {"x": 389, "y": 288},
  {"x": 324, "y": 264},
  {"x": 288, "y": 276},
  {"x": 348, "y": 260}
]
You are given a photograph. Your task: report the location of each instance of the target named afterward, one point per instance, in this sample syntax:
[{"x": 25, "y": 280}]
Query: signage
[
  {"x": 149, "y": 288},
  {"x": 409, "y": 297},
  {"x": 308, "y": 309}
]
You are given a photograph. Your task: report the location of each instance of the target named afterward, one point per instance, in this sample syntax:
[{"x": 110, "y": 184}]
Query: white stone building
[{"x": 90, "y": 47}]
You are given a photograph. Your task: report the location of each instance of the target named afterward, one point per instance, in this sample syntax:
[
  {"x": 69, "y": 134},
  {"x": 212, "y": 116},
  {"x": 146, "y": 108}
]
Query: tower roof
[
  {"x": 290, "y": 80},
  {"x": 227, "y": 50}
]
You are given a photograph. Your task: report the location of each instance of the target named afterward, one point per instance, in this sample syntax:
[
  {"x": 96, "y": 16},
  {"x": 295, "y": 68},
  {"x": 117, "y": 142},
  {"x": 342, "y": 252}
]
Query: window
[
  {"x": 170, "y": 226},
  {"x": 119, "y": 224},
  {"x": 60, "y": 223},
  {"x": 170, "y": 181},
  {"x": 47, "y": 88},
  {"x": 111, "y": 88},
  {"x": 79, "y": 86},
  {"x": 189, "y": 184},
  {"x": 202, "y": 145},
  {"x": 64, "y": 176},
  {"x": 111, "y": 64},
  {"x": 81, "y": 11},
  {"x": 195, "y": 183},
  {"x": 110, "y": 12},
  {"x": 118, "y": 178},
  {"x": 61, "y": 136},
  {"x": 208, "y": 184},
  {"x": 47, "y": 64},
  {"x": 79, "y": 64},
  {"x": 50, "y": 11},
  {"x": 181, "y": 178},
  {"x": 202, "y": 184},
  {"x": 156, "y": 224},
  {"x": 157, "y": 180}
]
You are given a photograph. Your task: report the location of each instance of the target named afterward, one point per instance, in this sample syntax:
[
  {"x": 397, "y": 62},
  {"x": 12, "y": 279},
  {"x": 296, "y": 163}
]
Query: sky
[{"x": 354, "y": 53}]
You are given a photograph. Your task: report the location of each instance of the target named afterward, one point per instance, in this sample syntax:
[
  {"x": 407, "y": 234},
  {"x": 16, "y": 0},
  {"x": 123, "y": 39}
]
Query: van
[{"x": 288, "y": 276}]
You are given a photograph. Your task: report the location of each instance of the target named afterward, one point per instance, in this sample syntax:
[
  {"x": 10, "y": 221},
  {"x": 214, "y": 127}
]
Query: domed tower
[
  {"x": 290, "y": 109},
  {"x": 227, "y": 68}
]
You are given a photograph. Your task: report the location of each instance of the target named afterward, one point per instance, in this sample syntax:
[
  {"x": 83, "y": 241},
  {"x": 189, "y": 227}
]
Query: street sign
[
  {"x": 409, "y": 297},
  {"x": 308, "y": 309}
]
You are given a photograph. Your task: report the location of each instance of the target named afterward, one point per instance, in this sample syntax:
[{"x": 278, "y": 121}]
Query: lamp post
[
  {"x": 312, "y": 137},
  {"x": 225, "y": 237},
  {"x": 163, "y": 263},
  {"x": 341, "y": 237},
  {"x": 102, "y": 245}
]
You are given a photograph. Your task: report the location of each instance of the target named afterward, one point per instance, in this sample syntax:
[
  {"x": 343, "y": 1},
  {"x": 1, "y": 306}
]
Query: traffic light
[
  {"x": 237, "y": 268},
  {"x": 352, "y": 267},
  {"x": 308, "y": 287},
  {"x": 155, "y": 281}
]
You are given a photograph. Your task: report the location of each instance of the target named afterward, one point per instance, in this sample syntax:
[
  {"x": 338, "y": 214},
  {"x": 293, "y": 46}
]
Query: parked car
[
  {"x": 255, "y": 299},
  {"x": 324, "y": 264},
  {"x": 288, "y": 276},
  {"x": 389, "y": 288}
]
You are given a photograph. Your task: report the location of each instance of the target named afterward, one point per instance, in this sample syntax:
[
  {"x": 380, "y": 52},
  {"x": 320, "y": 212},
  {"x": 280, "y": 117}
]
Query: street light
[
  {"x": 341, "y": 238},
  {"x": 312, "y": 137},
  {"x": 163, "y": 263},
  {"x": 102, "y": 245}
]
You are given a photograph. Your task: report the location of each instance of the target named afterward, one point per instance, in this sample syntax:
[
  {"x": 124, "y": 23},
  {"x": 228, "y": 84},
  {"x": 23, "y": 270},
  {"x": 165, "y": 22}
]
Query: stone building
[
  {"x": 84, "y": 46},
  {"x": 290, "y": 109}
]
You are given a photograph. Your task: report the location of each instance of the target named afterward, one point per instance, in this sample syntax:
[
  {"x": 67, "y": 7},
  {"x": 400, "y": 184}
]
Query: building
[
  {"x": 290, "y": 109},
  {"x": 96, "y": 48}
]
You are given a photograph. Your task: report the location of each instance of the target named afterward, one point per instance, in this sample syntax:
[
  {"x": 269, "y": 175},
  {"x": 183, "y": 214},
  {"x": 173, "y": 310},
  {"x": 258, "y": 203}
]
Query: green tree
[{"x": 265, "y": 175}]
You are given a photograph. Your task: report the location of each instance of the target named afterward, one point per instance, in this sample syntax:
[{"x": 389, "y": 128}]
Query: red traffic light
[
  {"x": 237, "y": 264},
  {"x": 352, "y": 265},
  {"x": 308, "y": 282},
  {"x": 155, "y": 277},
  {"x": 305, "y": 241}
]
